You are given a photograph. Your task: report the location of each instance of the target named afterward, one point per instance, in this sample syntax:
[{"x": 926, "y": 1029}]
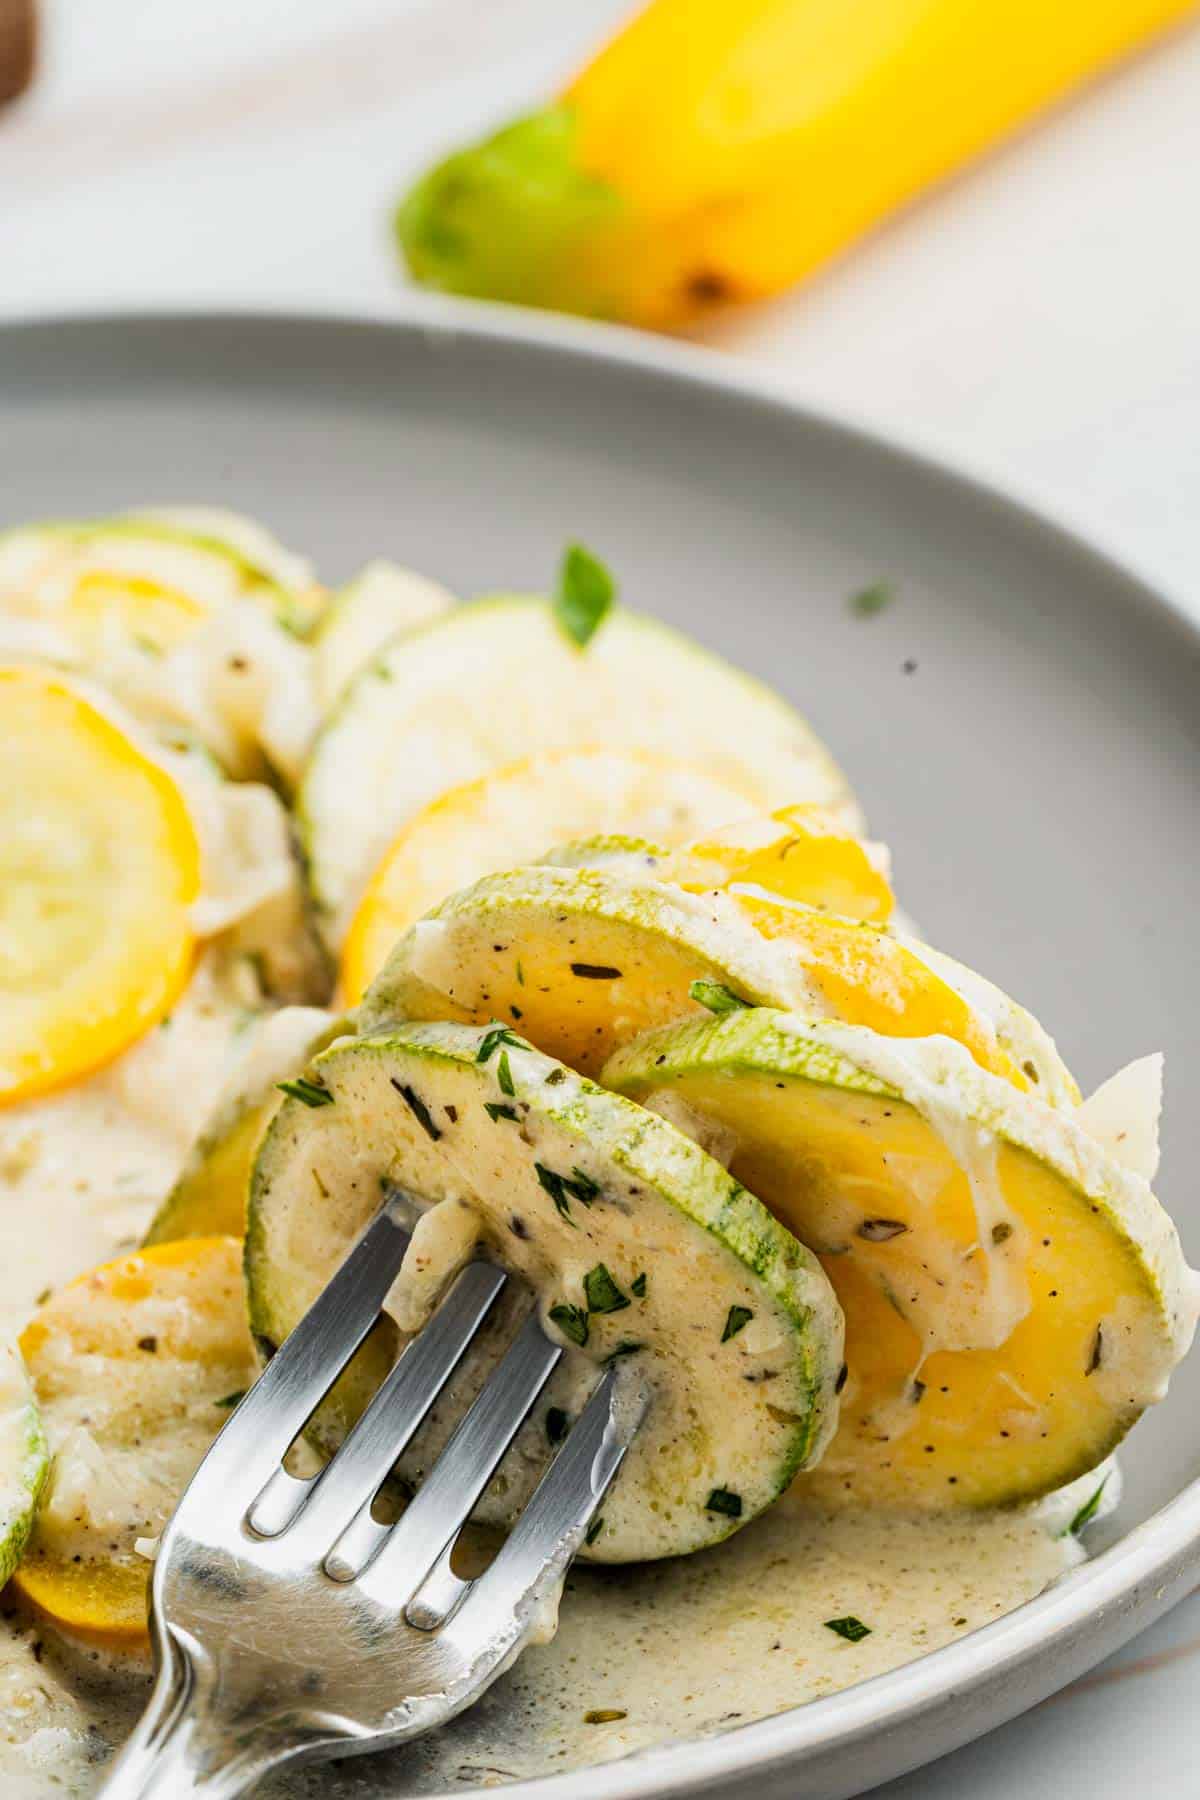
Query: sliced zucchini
[
  {"x": 797, "y": 853},
  {"x": 584, "y": 959},
  {"x": 512, "y": 816},
  {"x": 578, "y": 960},
  {"x": 499, "y": 680},
  {"x": 134, "y": 1367},
  {"x": 380, "y": 602},
  {"x": 24, "y": 1458},
  {"x": 191, "y": 619},
  {"x": 209, "y": 1197},
  {"x": 99, "y": 870},
  {"x": 638, "y": 1247},
  {"x": 203, "y": 557},
  {"x": 1013, "y": 1297}
]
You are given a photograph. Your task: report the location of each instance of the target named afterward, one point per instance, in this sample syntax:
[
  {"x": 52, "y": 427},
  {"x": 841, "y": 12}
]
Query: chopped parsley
[
  {"x": 869, "y": 601},
  {"x": 603, "y": 1294},
  {"x": 418, "y": 1109},
  {"x": 850, "y": 1628},
  {"x": 572, "y": 1321},
  {"x": 312, "y": 1093},
  {"x": 721, "y": 1500},
  {"x": 736, "y": 1320},
  {"x": 504, "y": 1078},
  {"x": 493, "y": 1038},
  {"x": 583, "y": 595},
  {"x": 637, "y": 1286},
  {"x": 717, "y": 998},
  {"x": 1087, "y": 1511},
  {"x": 562, "y": 1189},
  {"x": 495, "y": 1109}
]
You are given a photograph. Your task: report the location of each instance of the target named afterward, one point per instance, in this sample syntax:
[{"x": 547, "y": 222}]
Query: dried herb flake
[
  {"x": 312, "y": 1093},
  {"x": 603, "y": 1294},
  {"x": 737, "y": 1318},
  {"x": 850, "y": 1628}
]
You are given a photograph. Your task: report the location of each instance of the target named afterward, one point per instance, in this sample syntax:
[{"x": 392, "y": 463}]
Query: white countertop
[{"x": 1039, "y": 320}]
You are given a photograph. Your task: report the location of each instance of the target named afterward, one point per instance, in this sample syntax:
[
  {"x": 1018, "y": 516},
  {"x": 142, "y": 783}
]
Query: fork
[{"x": 287, "y": 1623}]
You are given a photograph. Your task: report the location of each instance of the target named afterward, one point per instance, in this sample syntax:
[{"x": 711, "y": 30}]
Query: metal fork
[{"x": 287, "y": 1623}]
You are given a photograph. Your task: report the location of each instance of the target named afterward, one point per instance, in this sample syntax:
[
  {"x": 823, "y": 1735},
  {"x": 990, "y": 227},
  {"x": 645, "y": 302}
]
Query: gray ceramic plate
[{"x": 1022, "y": 725}]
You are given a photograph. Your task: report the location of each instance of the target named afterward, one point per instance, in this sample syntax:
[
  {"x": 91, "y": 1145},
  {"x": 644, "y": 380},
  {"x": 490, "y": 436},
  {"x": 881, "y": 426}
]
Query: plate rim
[{"x": 1155, "y": 1554}]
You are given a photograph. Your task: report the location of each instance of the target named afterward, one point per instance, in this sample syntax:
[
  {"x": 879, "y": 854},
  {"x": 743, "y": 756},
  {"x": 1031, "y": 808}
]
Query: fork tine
[
  {"x": 463, "y": 1469},
  {"x": 563, "y": 1505},
  {"x": 302, "y": 1370},
  {"x": 351, "y": 1479}
]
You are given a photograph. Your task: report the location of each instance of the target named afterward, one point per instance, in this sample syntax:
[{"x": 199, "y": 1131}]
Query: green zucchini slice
[
  {"x": 634, "y": 1244},
  {"x": 499, "y": 680},
  {"x": 1014, "y": 1297},
  {"x": 24, "y": 1458}
]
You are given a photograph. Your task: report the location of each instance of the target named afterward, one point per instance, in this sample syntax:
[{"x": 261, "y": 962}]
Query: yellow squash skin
[
  {"x": 99, "y": 865},
  {"x": 715, "y": 151}
]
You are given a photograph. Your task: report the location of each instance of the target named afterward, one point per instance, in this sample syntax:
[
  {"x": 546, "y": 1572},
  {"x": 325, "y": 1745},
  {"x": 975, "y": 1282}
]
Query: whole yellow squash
[{"x": 719, "y": 150}]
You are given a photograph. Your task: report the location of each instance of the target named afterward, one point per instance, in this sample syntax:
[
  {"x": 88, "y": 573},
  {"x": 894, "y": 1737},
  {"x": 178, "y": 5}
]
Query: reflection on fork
[{"x": 288, "y": 1623}]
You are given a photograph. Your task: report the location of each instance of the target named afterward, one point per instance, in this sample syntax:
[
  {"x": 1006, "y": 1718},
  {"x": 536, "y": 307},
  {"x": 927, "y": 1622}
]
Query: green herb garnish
[
  {"x": 722, "y": 1501},
  {"x": 1086, "y": 1513},
  {"x": 717, "y": 998},
  {"x": 572, "y": 1321},
  {"x": 737, "y": 1318},
  {"x": 495, "y": 1109},
  {"x": 603, "y": 1294},
  {"x": 637, "y": 1286},
  {"x": 504, "y": 1080},
  {"x": 850, "y": 1628},
  {"x": 562, "y": 1189},
  {"x": 871, "y": 600},
  {"x": 583, "y": 596},
  {"x": 418, "y": 1109},
  {"x": 312, "y": 1093},
  {"x": 493, "y": 1038}
]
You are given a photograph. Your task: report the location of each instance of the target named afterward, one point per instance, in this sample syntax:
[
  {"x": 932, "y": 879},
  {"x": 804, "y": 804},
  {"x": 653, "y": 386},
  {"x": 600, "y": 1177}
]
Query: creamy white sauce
[
  {"x": 732, "y": 1635},
  {"x": 81, "y": 1171}
]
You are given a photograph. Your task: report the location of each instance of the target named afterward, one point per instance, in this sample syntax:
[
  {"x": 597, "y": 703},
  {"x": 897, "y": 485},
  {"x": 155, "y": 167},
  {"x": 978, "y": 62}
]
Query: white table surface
[{"x": 1038, "y": 321}]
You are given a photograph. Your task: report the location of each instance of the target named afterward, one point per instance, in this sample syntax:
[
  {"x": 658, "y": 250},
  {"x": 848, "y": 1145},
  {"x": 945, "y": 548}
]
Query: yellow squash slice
[
  {"x": 209, "y": 1197},
  {"x": 1014, "y": 1297},
  {"x": 801, "y": 853},
  {"x": 514, "y": 815},
  {"x": 581, "y": 960},
  {"x": 99, "y": 864},
  {"x": 134, "y": 1367}
]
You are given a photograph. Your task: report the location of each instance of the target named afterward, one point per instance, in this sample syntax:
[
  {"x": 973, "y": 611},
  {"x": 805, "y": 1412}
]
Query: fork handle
[{"x": 165, "y": 1758}]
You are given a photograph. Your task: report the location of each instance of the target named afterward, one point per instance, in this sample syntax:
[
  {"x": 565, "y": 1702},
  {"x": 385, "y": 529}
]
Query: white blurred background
[{"x": 1039, "y": 319}]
